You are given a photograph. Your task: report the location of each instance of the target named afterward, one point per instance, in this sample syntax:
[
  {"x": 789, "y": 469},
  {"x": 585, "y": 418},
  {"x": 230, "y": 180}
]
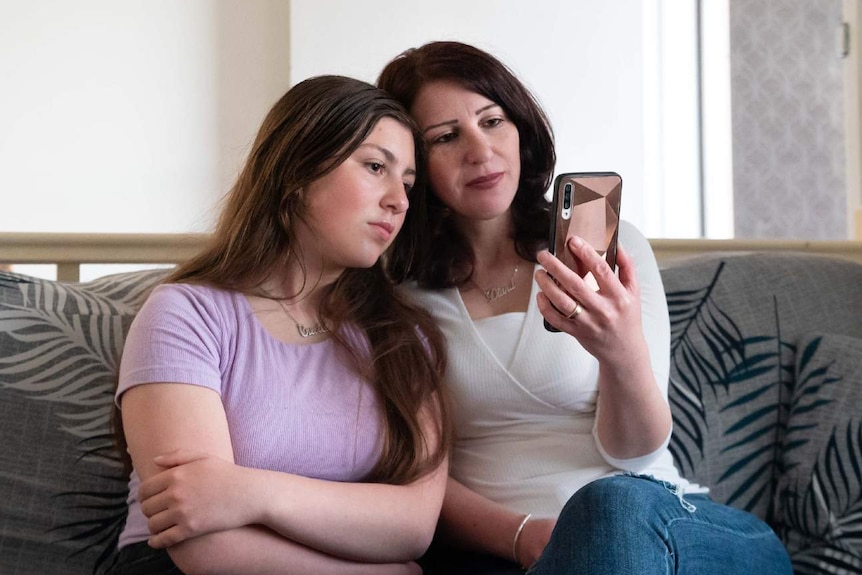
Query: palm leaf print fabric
[
  {"x": 766, "y": 401},
  {"x": 61, "y": 479}
]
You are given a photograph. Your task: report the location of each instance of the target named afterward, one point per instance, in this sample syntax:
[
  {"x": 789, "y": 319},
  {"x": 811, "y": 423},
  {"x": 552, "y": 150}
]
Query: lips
[
  {"x": 385, "y": 229},
  {"x": 487, "y": 181}
]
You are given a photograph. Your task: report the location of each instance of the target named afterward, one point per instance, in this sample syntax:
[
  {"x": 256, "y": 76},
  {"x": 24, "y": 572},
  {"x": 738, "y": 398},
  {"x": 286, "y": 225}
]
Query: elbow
[
  {"x": 637, "y": 462},
  {"x": 411, "y": 548},
  {"x": 424, "y": 534},
  {"x": 199, "y": 556},
  {"x": 190, "y": 565},
  {"x": 413, "y": 541},
  {"x": 421, "y": 542}
]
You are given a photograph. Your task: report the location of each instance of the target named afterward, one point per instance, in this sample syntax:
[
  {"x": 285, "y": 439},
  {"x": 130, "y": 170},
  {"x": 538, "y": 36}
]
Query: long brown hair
[
  {"x": 432, "y": 250},
  {"x": 309, "y": 132}
]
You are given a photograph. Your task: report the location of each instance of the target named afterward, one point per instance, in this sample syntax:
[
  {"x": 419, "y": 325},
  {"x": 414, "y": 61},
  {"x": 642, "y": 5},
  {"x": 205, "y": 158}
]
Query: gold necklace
[
  {"x": 304, "y": 331},
  {"x": 497, "y": 292}
]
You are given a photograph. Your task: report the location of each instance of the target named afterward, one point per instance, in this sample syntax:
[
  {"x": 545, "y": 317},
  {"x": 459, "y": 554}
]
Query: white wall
[
  {"x": 134, "y": 115},
  {"x": 582, "y": 58},
  {"x": 131, "y": 115}
]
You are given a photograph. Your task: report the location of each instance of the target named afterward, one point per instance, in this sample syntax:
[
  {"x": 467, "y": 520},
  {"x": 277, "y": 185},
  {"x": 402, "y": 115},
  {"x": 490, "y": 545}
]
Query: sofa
[{"x": 765, "y": 388}]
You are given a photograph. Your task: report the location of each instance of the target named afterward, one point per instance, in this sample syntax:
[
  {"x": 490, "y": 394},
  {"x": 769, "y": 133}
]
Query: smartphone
[{"x": 585, "y": 204}]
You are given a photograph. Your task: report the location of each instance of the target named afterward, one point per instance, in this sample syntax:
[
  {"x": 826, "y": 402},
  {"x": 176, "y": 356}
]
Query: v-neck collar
[{"x": 531, "y": 316}]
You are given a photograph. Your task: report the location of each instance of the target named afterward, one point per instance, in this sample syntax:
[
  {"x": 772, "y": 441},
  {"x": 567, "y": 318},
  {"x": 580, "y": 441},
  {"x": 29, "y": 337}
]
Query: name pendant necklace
[
  {"x": 495, "y": 293},
  {"x": 304, "y": 331}
]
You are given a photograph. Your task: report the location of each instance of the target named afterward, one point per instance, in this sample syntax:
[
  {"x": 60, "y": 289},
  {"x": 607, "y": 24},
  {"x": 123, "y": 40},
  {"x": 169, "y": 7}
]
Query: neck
[
  {"x": 299, "y": 296},
  {"x": 302, "y": 289},
  {"x": 307, "y": 272},
  {"x": 491, "y": 243}
]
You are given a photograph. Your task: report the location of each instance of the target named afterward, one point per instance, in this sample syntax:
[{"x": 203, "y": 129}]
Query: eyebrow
[
  {"x": 390, "y": 157},
  {"x": 453, "y": 122}
]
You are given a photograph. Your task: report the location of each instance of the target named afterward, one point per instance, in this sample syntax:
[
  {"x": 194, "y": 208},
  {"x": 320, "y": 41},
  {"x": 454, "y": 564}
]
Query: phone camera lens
[{"x": 567, "y": 196}]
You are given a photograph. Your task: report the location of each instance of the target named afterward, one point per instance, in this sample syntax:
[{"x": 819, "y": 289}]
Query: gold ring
[{"x": 577, "y": 311}]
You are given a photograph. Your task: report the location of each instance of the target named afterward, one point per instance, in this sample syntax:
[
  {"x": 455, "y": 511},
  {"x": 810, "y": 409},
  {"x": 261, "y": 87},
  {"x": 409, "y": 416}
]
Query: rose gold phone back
[{"x": 595, "y": 216}]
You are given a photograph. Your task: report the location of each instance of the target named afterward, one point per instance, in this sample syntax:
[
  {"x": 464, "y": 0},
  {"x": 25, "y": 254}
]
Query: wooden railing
[
  {"x": 667, "y": 250},
  {"x": 70, "y": 251}
]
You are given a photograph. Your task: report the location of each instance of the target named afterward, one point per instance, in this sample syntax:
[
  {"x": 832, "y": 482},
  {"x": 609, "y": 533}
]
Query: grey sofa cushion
[
  {"x": 735, "y": 323},
  {"x": 819, "y": 501},
  {"x": 63, "y": 486}
]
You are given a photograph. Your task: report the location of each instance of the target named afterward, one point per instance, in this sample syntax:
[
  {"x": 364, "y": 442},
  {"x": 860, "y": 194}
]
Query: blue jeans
[{"x": 635, "y": 525}]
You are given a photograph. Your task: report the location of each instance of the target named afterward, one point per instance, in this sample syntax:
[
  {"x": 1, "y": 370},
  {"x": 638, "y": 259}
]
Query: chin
[
  {"x": 364, "y": 262},
  {"x": 491, "y": 208},
  {"x": 490, "y": 212}
]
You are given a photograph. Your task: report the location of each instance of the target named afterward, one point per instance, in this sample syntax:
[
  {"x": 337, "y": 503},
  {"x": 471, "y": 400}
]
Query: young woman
[
  {"x": 546, "y": 424},
  {"x": 281, "y": 403}
]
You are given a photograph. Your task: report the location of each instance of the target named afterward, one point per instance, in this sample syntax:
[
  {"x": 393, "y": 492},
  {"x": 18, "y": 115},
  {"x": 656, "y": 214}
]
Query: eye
[
  {"x": 408, "y": 186},
  {"x": 493, "y": 122},
  {"x": 443, "y": 138},
  {"x": 376, "y": 167}
]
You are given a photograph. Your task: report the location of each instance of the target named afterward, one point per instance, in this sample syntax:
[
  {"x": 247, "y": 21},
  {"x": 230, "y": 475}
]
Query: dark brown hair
[
  {"x": 309, "y": 132},
  {"x": 450, "y": 262}
]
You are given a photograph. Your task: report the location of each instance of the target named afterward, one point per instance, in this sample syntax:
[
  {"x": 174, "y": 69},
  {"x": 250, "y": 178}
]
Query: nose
[
  {"x": 477, "y": 146},
  {"x": 395, "y": 198}
]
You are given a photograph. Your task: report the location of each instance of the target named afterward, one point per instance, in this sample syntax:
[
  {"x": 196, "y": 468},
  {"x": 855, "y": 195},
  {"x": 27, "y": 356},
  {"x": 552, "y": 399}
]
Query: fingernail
[{"x": 576, "y": 241}]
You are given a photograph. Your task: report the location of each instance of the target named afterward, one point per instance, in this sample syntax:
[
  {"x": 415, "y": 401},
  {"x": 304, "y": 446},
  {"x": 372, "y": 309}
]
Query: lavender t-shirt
[{"x": 298, "y": 409}]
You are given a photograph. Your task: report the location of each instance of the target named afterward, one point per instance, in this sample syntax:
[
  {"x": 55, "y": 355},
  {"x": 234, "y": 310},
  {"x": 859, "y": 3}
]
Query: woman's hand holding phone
[
  {"x": 585, "y": 205},
  {"x": 609, "y": 319}
]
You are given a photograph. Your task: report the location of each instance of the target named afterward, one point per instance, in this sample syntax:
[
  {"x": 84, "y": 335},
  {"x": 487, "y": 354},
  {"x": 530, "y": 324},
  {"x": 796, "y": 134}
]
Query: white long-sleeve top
[{"x": 525, "y": 399}]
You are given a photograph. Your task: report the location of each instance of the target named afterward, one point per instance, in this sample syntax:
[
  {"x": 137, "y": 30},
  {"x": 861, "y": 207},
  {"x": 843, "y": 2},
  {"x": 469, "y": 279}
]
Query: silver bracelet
[{"x": 518, "y": 536}]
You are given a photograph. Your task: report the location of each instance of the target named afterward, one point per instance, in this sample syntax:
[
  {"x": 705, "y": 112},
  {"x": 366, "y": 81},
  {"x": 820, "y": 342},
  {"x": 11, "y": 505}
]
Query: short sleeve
[{"x": 175, "y": 338}]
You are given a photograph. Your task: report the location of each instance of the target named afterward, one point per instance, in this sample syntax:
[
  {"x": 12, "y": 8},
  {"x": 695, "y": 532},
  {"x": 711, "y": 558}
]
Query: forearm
[
  {"x": 634, "y": 418},
  {"x": 470, "y": 521},
  {"x": 187, "y": 493},
  {"x": 258, "y": 551},
  {"x": 357, "y": 521}
]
